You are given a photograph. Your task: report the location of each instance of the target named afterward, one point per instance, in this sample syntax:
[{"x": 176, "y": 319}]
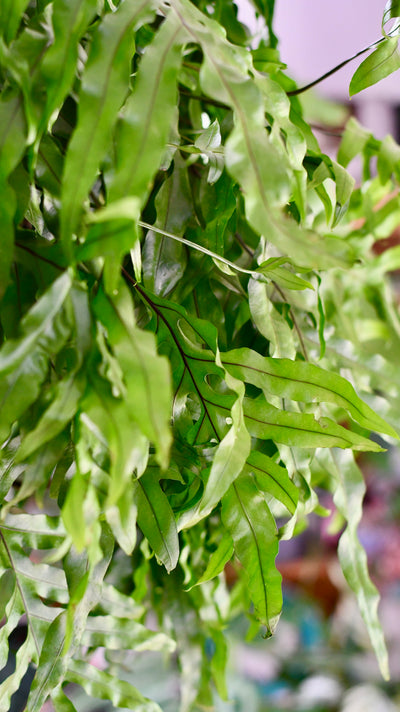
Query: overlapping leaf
[
  {"x": 24, "y": 362},
  {"x": 348, "y": 497},
  {"x": 302, "y": 381},
  {"x": 104, "y": 86},
  {"x": 253, "y": 530}
]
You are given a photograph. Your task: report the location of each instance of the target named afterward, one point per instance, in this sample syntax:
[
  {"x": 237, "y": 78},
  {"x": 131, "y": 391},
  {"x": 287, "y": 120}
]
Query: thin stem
[
  {"x": 295, "y": 92},
  {"x": 206, "y": 99},
  {"x": 200, "y": 248}
]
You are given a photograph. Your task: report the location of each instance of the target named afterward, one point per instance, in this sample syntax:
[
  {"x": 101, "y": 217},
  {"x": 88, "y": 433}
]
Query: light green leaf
[
  {"x": 253, "y": 160},
  {"x": 348, "y": 496},
  {"x": 272, "y": 479},
  {"x": 383, "y": 61},
  {"x": 270, "y": 322},
  {"x": 252, "y": 527},
  {"x": 231, "y": 453},
  {"x": 11, "y": 13},
  {"x": 101, "y": 685},
  {"x": 388, "y": 159},
  {"x": 61, "y": 702},
  {"x": 122, "y": 634},
  {"x": 344, "y": 183},
  {"x": 105, "y": 83},
  {"x": 282, "y": 275},
  {"x": 302, "y": 381},
  {"x": 52, "y": 665},
  {"x": 156, "y": 520},
  {"x": 12, "y": 683},
  {"x": 217, "y": 560},
  {"x": 219, "y": 662},
  {"x": 300, "y": 430},
  {"x": 147, "y": 115}
]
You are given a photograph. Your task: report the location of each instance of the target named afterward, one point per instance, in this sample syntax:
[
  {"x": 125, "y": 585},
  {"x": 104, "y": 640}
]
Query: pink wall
[{"x": 315, "y": 35}]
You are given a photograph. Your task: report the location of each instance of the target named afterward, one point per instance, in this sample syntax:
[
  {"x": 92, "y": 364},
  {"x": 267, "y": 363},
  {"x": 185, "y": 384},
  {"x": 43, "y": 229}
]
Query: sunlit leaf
[{"x": 383, "y": 61}]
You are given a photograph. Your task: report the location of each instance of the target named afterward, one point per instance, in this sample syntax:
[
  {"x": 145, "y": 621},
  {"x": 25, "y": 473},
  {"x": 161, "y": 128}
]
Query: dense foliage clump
[{"x": 197, "y": 336}]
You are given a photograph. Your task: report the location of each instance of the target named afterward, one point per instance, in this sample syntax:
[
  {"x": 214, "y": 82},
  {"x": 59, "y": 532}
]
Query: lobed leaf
[
  {"x": 272, "y": 479},
  {"x": 123, "y": 634},
  {"x": 302, "y": 381},
  {"x": 348, "y": 496},
  {"x": 11, "y": 15}
]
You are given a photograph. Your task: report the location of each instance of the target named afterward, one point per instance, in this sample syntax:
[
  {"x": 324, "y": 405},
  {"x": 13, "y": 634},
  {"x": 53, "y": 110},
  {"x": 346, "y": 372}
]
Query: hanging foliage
[{"x": 197, "y": 336}]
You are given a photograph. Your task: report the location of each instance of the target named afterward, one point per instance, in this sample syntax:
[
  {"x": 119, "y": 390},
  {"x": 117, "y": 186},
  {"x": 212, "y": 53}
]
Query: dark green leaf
[
  {"x": 104, "y": 86},
  {"x": 156, "y": 520},
  {"x": 383, "y": 61},
  {"x": 253, "y": 530}
]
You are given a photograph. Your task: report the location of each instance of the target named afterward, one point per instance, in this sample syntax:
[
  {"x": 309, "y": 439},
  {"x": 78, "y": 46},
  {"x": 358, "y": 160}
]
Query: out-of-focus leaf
[
  {"x": 388, "y": 159},
  {"x": 70, "y": 19},
  {"x": 61, "y": 702},
  {"x": 391, "y": 12},
  {"x": 348, "y": 496},
  {"x": 11, "y": 13},
  {"x": 383, "y": 61},
  {"x": 101, "y": 685},
  {"x": 61, "y": 411},
  {"x": 252, "y": 527},
  {"x": 122, "y": 633},
  {"x": 300, "y": 430},
  {"x": 8, "y": 207},
  {"x": 354, "y": 140},
  {"x": 219, "y": 661}
]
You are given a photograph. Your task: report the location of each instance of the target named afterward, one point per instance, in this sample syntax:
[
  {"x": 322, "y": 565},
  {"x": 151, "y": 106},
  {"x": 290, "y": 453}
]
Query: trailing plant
[{"x": 197, "y": 335}]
